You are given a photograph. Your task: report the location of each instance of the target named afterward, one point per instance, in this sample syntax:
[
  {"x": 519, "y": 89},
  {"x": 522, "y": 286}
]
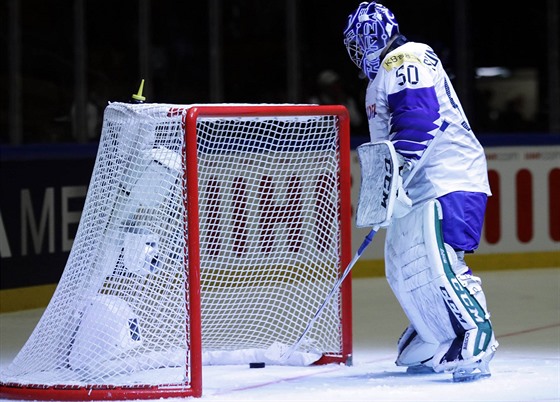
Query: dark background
[
  {"x": 49, "y": 153},
  {"x": 254, "y": 63}
]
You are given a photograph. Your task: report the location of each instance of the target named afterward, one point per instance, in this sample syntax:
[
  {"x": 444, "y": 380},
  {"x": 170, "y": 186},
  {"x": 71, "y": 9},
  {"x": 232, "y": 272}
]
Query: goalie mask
[{"x": 369, "y": 30}]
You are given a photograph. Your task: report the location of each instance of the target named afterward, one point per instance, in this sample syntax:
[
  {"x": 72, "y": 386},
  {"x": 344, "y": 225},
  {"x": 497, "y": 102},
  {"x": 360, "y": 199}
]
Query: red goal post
[{"x": 206, "y": 229}]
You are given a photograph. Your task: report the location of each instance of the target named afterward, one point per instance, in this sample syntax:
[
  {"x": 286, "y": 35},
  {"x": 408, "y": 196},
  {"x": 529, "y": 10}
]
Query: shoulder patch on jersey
[{"x": 398, "y": 59}]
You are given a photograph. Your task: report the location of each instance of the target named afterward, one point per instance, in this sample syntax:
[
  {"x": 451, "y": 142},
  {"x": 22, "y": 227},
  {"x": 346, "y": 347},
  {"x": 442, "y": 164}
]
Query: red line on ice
[
  {"x": 288, "y": 379},
  {"x": 314, "y": 373},
  {"x": 526, "y": 331}
]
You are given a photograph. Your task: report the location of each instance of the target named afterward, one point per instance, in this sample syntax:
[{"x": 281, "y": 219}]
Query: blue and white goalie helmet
[{"x": 369, "y": 30}]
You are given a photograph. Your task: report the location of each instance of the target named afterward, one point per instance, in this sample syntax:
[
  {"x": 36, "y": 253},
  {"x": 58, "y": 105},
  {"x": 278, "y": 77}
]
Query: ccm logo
[
  {"x": 387, "y": 182},
  {"x": 465, "y": 298}
]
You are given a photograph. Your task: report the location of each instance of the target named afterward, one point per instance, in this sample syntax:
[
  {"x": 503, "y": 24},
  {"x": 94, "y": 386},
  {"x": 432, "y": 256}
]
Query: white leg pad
[
  {"x": 409, "y": 273},
  {"x": 438, "y": 305},
  {"x": 413, "y": 351}
]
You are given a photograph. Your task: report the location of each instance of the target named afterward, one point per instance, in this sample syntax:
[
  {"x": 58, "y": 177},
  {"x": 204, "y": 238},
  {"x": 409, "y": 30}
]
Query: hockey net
[{"x": 208, "y": 234}]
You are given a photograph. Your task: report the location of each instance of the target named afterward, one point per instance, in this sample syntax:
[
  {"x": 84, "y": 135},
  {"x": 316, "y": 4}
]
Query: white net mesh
[
  {"x": 269, "y": 230},
  {"x": 270, "y": 250}
]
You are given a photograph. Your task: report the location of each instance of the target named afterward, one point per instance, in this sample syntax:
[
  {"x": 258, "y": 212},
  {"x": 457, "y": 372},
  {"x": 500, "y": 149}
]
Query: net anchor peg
[{"x": 138, "y": 97}]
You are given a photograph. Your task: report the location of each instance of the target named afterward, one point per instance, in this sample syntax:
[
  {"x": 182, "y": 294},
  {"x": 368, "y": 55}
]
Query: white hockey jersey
[{"x": 412, "y": 103}]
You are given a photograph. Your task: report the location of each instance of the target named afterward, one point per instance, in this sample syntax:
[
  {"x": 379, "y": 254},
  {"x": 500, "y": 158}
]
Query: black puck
[{"x": 256, "y": 365}]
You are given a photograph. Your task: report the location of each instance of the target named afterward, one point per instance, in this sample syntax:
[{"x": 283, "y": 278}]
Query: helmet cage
[{"x": 354, "y": 49}]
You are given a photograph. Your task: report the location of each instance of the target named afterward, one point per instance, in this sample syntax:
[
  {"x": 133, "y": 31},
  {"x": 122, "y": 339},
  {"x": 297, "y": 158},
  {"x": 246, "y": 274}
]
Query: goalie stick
[{"x": 281, "y": 352}]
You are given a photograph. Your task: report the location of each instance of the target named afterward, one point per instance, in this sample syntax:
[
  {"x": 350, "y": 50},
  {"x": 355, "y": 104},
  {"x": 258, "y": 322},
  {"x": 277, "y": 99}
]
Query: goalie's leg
[
  {"x": 414, "y": 352},
  {"x": 466, "y": 356},
  {"x": 441, "y": 298},
  {"x": 463, "y": 214}
]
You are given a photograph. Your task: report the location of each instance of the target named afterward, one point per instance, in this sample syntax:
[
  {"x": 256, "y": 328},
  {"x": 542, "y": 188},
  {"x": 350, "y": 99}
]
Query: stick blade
[{"x": 278, "y": 352}]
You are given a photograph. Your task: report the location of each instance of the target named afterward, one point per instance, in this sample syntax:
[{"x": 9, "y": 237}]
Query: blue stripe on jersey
[
  {"x": 409, "y": 150},
  {"x": 413, "y": 116},
  {"x": 409, "y": 145},
  {"x": 412, "y": 135}
]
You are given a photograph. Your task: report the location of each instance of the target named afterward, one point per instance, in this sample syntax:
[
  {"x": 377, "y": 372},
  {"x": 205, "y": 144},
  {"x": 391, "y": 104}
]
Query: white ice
[{"x": 525, "y": 307}]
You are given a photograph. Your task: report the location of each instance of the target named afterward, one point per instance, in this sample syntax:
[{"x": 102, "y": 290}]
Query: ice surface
[{"x": 525, "y": 307}]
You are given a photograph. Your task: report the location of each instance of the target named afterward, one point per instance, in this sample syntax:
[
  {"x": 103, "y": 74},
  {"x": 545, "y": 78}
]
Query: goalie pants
[
  {"x": 463, "y": 216},
  {"x": 444, "y": 303}
]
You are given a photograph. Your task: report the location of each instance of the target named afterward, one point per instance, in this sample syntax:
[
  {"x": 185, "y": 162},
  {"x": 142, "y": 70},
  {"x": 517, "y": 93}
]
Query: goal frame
[
  {"x": 193, "y": 388},
  {"x": 345, "y": 206}
]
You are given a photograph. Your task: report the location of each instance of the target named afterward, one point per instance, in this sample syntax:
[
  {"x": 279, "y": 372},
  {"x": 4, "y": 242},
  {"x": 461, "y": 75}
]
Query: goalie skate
[{"x": 473, "y": 372}]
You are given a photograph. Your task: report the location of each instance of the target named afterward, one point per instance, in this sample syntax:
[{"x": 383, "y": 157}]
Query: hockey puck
[{"x": 256, "y": 365}]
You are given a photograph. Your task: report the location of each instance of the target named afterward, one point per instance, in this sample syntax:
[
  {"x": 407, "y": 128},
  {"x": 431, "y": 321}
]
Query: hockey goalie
[{"x": 424, "y": 179}]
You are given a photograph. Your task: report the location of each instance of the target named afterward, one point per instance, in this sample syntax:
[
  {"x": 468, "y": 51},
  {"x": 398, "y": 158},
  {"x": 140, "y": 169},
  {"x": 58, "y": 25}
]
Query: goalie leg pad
[
  {"x": 437, "y": 303},
  {"x": 414, "y": 352}
]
